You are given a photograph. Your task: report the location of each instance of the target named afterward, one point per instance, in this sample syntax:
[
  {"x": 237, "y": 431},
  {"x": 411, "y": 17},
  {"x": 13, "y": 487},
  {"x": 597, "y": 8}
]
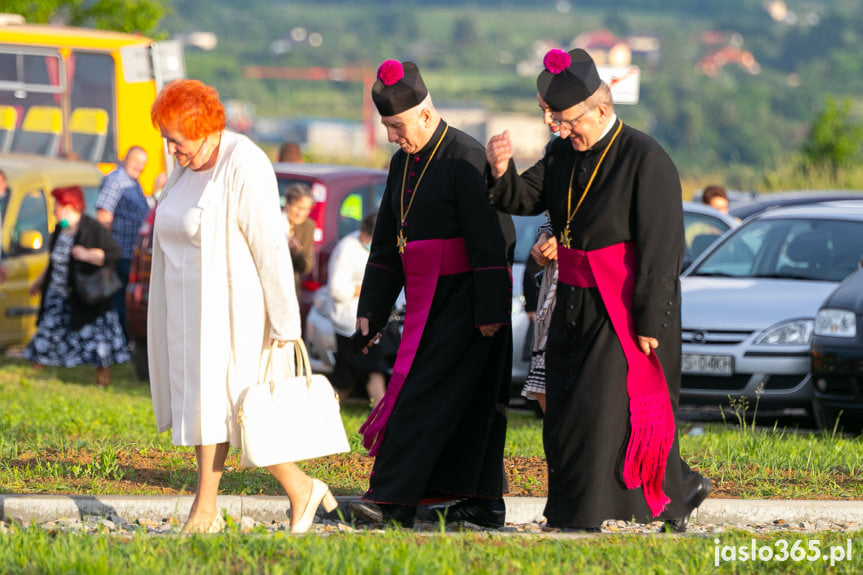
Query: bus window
[
  {"x": 92, "y": 86},
  {"x": 30, "y": 78}
]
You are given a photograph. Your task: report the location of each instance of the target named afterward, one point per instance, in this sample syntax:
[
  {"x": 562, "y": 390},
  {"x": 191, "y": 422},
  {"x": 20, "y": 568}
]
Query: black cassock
[
  {"x": 445, "y": 436},
  {"x": 635, "y": 197}
]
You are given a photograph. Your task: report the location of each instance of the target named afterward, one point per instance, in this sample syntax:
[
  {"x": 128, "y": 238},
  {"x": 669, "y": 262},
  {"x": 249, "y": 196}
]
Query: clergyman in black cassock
[
  {"x": 439, "y": 432},
  {"x": 613, "y": 355}
]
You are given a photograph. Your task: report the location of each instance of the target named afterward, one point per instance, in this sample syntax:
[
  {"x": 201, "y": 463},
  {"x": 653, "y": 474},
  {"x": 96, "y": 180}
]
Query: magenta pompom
[
  {"x": 556, "y": 61},
  {"x": 390, "y": 72}
]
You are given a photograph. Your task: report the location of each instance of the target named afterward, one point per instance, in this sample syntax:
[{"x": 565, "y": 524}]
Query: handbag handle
[{"x": 302, "y": 366}]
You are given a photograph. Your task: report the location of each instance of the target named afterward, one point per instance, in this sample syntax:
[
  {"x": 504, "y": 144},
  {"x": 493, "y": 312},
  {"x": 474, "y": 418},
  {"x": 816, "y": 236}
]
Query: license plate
[{"x": 707, "y": 364}]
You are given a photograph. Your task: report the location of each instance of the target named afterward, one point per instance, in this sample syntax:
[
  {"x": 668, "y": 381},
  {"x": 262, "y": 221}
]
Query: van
[{"x": 27, "y": 210}]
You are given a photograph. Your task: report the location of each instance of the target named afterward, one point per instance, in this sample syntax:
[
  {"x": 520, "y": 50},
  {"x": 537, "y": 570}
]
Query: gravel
[{"x": 114, "y": 525}]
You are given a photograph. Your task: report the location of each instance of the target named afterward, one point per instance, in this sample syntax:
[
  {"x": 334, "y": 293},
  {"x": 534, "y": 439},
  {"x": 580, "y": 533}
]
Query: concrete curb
[{"x": 519, "y": 510}]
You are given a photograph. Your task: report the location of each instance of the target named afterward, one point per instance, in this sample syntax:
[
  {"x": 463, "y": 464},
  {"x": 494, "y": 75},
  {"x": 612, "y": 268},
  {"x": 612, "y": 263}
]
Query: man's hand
[
  {"x": 498, "y": 152},
  {"x": 645, "y": 344},
  {"x": 363, "y": 326},
  {"x": 489, "y": 330},
  {"x": 545, "y": 249},
  {"x": 105, "y": 218}
]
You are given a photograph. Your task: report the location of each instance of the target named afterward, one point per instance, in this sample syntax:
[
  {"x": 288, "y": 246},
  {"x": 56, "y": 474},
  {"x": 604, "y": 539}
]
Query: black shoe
[
  {"x": 367, "y": 512},
  {"x": 488, "y": 513},
  {"x": 695, "y": 498}
]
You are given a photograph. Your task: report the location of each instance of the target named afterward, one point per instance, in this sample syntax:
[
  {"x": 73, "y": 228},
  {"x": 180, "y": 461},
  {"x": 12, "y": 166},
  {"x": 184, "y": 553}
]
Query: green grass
[
  {"x": 35, "y": 551},
  {"x": 59, "y": 433}
]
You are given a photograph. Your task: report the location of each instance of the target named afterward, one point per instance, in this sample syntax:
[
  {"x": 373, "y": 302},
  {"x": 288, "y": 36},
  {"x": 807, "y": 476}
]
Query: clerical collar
[
  {"x": 608, "y": 127},
  {"x": 441, "y": 126}
]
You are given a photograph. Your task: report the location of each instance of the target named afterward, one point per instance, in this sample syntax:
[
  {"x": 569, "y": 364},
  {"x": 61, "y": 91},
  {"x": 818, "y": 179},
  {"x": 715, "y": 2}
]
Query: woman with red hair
[
  {"x": 221, "y": 290},
  {"x": 71, "y": 332}
]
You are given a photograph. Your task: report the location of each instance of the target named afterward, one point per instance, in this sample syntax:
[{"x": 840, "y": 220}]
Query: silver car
[
  {"x": 703, "y": 225},
  {"x": 749, "y": 304}
]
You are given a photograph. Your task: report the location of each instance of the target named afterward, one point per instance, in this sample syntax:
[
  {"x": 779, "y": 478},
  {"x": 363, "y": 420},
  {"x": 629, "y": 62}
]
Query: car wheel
[
  {"x": 829, "y": 419},
  {"x": 139, "y": 360}
]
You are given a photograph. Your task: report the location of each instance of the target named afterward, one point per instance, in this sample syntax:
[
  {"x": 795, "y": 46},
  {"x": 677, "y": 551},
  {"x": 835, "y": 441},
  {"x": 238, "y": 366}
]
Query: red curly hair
[
  {"x": 189, "y": 106},
  {"x": 71, "y": 196}
]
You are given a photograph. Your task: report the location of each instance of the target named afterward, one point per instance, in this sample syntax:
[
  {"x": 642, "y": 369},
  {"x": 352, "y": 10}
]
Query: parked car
[
  {"x": 837, "y": 358},
  {"x": 749, "y": 304},
  {"x": 344, "y": 195},
  {"x": 27, "y": 210},
  {"x": 763, "y": 202}
]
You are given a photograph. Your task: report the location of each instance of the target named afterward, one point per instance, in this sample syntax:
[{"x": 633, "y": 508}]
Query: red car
[{"x": 344, "y": 195}]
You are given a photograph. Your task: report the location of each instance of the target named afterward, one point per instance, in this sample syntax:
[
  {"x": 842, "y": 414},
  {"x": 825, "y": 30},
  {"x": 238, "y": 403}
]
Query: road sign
[{"x": 624, "y": 82}]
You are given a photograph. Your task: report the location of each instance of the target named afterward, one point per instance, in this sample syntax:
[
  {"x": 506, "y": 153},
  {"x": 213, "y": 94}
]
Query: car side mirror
[{"x": 30, "y": 241}]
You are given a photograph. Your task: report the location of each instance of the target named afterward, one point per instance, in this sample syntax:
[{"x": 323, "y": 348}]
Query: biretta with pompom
[
  {"x": 398, "y": 87},
  {"x": 568, "y": 78}
]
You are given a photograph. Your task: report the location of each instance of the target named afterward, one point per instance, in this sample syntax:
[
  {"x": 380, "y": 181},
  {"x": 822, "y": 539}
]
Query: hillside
[{"x": 725, "y": 87}]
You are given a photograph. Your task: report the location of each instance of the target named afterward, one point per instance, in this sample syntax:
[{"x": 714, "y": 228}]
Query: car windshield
[{"x": 816, "y": 249}]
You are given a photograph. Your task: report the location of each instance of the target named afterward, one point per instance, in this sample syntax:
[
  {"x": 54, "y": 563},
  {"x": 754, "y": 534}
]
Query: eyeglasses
[{"x": 571, "y": 124}]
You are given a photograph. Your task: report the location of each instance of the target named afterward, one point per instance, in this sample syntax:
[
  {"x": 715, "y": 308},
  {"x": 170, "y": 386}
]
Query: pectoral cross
[
  {"x": 564, "y": 237},
  {"x": 401, "y": 242}
]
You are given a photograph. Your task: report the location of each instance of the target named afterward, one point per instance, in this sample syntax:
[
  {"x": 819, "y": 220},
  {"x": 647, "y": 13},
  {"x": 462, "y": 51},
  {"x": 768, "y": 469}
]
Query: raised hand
[{"x": 498, "y": 152}]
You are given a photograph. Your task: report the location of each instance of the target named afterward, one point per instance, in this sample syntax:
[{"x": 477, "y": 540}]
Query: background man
[
  {"x": 612, "y": 362},
  {"x": 121, "y": 207},
  {"x": 439, "y": 430}
]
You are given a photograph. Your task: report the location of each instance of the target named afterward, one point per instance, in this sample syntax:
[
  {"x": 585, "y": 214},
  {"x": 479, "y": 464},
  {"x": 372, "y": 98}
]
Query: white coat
[{"x": 247, "y": 283}]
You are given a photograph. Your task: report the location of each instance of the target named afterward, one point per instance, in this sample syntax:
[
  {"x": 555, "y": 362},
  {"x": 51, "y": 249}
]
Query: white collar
[{"x": 608, "y": 128}]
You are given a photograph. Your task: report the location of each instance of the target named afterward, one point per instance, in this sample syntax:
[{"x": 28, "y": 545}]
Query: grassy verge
[
  {"x": 34, "y": 551},
  {"x": 61, "y": 434}
]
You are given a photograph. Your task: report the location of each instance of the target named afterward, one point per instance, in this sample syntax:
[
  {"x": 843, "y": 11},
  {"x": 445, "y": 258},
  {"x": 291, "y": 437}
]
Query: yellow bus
[{"x": 82, "y": 94}]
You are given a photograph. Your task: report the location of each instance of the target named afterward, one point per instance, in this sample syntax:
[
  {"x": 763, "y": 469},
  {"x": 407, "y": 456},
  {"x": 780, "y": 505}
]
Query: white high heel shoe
[
  {"x": 216, "y": 526},
  {"x": 320, "y": 496}
]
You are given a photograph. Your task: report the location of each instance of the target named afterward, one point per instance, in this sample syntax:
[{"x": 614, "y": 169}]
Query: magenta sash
[
  {"x": 424, "y": 262},
  {"x": 612, "y": 270}
]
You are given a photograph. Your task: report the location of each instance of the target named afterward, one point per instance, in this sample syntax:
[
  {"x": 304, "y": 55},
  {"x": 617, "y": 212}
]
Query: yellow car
[{"x": 27, "y": 209}]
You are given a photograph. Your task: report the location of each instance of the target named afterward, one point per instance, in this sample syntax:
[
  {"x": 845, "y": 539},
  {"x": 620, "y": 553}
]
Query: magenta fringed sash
[
  {"x": 612, "y": 270},
  {"x": 424, "y": 262}
]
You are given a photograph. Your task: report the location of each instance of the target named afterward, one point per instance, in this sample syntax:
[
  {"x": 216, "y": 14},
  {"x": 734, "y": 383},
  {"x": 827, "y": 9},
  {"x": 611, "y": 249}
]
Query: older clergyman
[
  {"x": 613, "y": 355},
  {"x": 439, "y": 430}
]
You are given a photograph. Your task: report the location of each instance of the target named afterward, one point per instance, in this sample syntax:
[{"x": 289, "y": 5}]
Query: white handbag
[{"x": 290, "y": 419}]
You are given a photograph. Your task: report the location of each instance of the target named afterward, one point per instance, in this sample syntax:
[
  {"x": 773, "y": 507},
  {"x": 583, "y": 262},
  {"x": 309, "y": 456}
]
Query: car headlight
[
  {"x": 836, "y": 323},
  {"x": 798, "y": 331}
]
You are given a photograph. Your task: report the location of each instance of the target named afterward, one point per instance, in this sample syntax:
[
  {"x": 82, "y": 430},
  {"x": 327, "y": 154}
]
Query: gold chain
[
  {"x": 564, "y": 235},
  {"x": 402, "y": 240}
]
